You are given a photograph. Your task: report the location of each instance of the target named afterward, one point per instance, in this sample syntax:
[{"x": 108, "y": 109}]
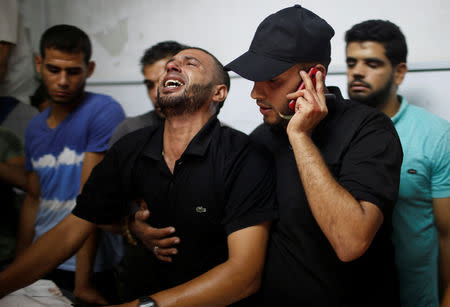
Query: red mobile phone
[{"x": 312, "y": 74}]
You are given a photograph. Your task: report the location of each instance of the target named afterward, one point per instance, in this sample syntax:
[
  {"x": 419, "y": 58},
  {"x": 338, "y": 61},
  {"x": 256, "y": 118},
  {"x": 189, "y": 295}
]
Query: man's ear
[
  {"x": 91, "y": 68},
  {"x": 220, "y": 93},
  {"x": 38, "y": 63},
  {"x": 399, "y": 73}
]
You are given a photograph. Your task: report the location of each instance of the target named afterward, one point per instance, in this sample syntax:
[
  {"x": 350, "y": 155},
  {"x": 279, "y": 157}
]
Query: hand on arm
[
  {"x": 86, "y": 255},
  {"x": 229, "y": 282},
  {"x": 441, "y": 207},
  {"x": 151, "y": 236},
  {"x": 28, "y": 213},
  {"x": 348, "y": 224}
]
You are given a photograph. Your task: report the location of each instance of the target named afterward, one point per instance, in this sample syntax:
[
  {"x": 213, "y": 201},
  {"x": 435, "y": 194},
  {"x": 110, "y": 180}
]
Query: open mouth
[{"x": 171, "y": 83}]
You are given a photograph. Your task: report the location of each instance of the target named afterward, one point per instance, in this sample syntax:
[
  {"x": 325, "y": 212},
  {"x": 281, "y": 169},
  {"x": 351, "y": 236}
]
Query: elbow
[
  {"x": 254, "y": 286},
  {"x": 351, "y": 251},
  {"x": 251, "y": 287}
]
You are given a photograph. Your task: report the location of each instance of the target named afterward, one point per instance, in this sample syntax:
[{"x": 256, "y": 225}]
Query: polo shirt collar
[
  {"x": 197, "y": 147},
  {"x": 401, "y": 111}
]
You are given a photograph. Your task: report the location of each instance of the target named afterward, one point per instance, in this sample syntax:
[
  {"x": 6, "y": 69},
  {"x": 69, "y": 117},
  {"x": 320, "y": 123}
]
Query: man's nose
[
  {"x": 63, "y": 80},
  {"x": 358, "y": 71},
  {"x": 173, "y": 66},
  {"x": 257, "y": 91}
]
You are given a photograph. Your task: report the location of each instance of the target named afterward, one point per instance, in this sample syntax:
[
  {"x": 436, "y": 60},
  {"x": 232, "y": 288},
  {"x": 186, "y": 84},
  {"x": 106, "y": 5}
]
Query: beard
[
  {"x": 189, "y": 101},
  {"x": 376, "y": 98}
]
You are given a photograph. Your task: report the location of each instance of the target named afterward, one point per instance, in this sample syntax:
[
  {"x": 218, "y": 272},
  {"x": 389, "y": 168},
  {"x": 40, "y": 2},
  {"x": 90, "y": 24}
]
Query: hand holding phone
[{"x": 312, "y": 74}]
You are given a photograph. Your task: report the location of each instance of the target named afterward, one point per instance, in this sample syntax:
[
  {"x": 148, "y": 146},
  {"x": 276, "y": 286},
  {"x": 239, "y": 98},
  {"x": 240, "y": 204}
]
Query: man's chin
[
  {"x": 275, "y": 121},
  {"x": 62, "y": 102},
  {"x": 359, "y": 97}
]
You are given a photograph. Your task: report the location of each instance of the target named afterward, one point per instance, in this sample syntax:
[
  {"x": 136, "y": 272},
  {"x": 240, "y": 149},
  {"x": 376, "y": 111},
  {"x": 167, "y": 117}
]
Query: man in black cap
[{"x": 338, "y": 165}]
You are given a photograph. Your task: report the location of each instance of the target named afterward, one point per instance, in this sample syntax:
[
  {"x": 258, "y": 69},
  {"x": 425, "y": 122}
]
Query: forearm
[
  {"x": 441, "y": 209},
  {"x": 446, "y": 298},
  {"x": 85, "y": 261},
  {"x": 45, "y": 254},
  {"x": 27, "y": 217},
  {"x": 86, "y": 254},
  {"x": 342, "y": 218},
  {"x": 444, "y": 265},
  {"x": 220, "y": 286}
]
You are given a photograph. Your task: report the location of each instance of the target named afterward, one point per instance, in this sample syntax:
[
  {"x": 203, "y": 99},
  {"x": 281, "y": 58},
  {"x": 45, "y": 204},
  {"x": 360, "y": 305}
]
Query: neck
[
  {"x": 58, "y": 111},
  {"x": 179, "y": 132},
  {"x": 392, "y": 105}
]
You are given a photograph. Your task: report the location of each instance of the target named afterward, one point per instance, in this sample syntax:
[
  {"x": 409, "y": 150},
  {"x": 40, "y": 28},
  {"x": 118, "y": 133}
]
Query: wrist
[
  {"x": 131, "y": 239},
  {"x": 296, "y": 137}
]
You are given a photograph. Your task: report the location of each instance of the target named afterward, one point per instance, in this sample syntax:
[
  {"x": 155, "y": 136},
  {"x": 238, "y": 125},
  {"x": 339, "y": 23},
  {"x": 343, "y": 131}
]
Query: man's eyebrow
[
  {"x": 51, "y": 66},
  {"x": 48, "y": 65}
]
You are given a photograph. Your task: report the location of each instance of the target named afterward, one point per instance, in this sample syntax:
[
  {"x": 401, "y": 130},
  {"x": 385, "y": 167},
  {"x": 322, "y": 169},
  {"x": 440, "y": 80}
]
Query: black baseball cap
[{"x": 290, "y": 36}]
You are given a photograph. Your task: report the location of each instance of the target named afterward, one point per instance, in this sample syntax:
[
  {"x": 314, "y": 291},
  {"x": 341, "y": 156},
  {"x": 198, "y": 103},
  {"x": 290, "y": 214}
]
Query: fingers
[
  {"x": 164, "y": 250},
  {"x": 319, "y": 83},
  {"x": 314, "y": 94},
  {"x": 159, "y": 233}
]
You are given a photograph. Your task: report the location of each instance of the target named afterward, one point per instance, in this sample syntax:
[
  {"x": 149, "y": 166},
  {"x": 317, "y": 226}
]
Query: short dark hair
[
  {"x": 66, "y": 38},
  {"x": 384, "y": 32},
  {"x": 160, "y": 51},
  {"x": 222, "y": 76}
]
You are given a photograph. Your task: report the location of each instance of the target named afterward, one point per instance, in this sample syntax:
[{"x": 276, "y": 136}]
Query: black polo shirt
[
  {"x": 222, "y": 183},
  {"x": 363, "y": 153}
]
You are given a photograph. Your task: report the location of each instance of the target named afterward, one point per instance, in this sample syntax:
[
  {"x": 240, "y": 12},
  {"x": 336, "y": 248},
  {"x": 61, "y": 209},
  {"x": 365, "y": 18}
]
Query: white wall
[
  {"x": 122, "y": 30},
  {"x": 425, "y": 89}
]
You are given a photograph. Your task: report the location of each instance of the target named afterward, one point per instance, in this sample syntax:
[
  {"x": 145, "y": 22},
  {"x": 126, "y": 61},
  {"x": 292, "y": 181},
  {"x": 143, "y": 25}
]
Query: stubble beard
[
  {"x": 187, "y": 102},
  {"x": 377, "y": 98}
]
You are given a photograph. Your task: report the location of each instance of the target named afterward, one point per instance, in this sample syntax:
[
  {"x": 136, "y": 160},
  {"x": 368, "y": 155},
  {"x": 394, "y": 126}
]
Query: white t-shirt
[{"x": 20, "y": 81}]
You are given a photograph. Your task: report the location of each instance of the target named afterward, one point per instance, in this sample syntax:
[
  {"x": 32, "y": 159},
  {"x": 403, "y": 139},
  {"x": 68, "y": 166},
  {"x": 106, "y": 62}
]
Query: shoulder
[
  {"x": 37, "y": 121},
  {"x": 271, "y": 138},
  {"x": 96, "y": 99},
  {"x": 359, "y": 119},
  {"x": 99, "y": 108},
  {"x": 101, "y": 102},
  {"x": 416, "y": 115},
  {"x": 239, "y": 146}
]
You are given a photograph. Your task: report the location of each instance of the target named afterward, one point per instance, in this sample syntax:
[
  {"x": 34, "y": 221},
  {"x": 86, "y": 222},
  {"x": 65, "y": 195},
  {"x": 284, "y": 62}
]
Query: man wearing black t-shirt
[
  {"x": 210, "y": 183},
  {"x": 338, "y": 166}
]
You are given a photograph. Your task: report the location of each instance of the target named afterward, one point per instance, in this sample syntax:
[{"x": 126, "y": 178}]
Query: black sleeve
[
  {"x": 371, "y": 167},
  {"x": 250, "y": 186},
  {"x": 106, "y": 194}
]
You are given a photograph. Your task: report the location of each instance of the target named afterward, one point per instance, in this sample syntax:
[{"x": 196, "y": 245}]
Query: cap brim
[{"x": 257, "y": 67}]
